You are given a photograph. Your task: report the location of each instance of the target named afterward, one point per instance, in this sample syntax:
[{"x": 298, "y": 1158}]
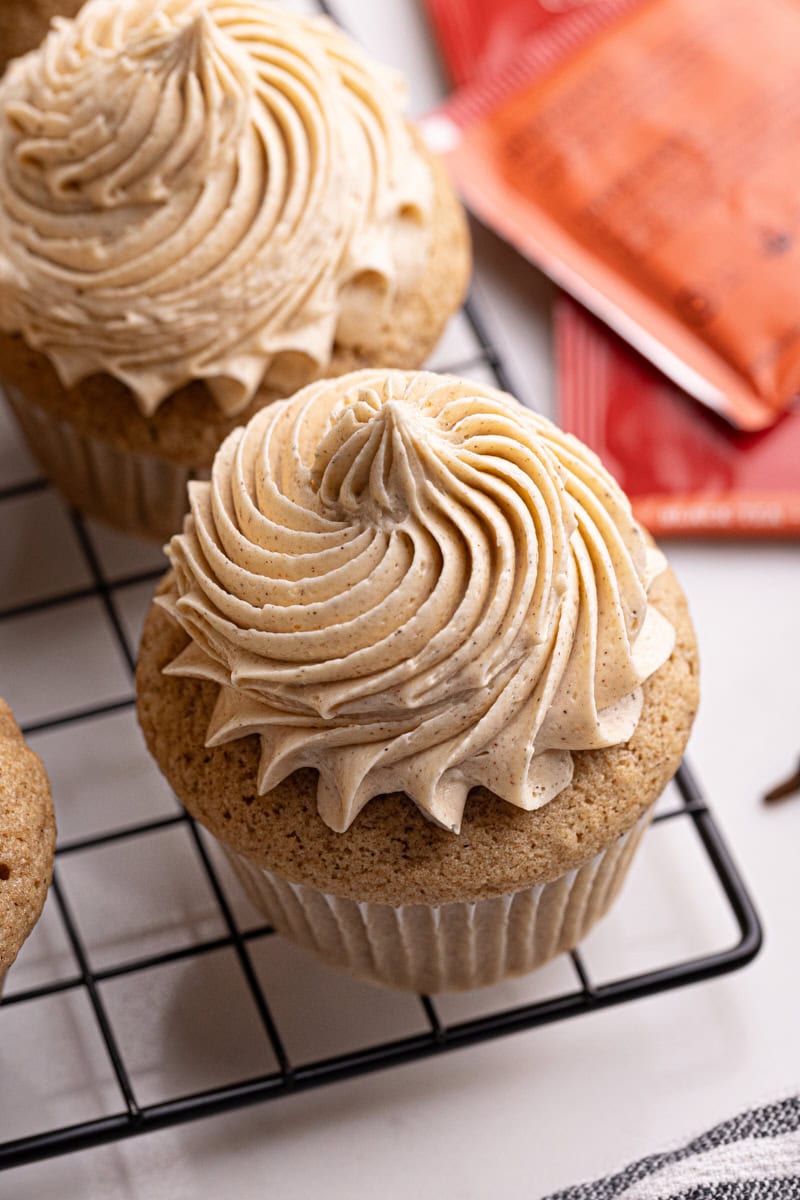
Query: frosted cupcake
[
  {"x": 27, "y": 839},
  {"x": 421, "y": 673},
  {"x": 203, "y": 206}
]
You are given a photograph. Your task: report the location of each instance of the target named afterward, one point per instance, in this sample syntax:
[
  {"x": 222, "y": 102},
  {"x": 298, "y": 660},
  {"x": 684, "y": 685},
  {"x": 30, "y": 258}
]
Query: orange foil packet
[{"x": 645, "y": 154}]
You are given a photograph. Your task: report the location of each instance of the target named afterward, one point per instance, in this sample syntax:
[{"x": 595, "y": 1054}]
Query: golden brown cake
[
  {"x": 431, "y": 766},
  {"x": 27, "y": 839},
  {"x": 153, "y": 299}
]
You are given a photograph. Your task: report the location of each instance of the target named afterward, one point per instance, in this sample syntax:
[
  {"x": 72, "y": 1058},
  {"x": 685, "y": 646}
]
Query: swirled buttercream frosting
[
  {"x": 413, "y": 584},
  {"x": 203, "y": 189}
]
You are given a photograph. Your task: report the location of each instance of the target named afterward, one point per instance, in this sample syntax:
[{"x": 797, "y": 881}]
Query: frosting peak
[
  {"x": 203, "y": 189},
  {"x": 368, "y": 463},
  {"x": 412, "y": 583}
]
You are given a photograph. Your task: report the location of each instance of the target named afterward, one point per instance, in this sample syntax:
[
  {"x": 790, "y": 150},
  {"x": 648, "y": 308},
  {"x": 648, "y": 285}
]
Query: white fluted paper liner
[
  {"x": 137, "y": 493},
  {"x": 452, "y": 947}
]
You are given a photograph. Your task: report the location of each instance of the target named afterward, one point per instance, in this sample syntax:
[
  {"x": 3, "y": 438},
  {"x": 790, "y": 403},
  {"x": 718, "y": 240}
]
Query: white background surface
[{"x": 518, "y": 1116}]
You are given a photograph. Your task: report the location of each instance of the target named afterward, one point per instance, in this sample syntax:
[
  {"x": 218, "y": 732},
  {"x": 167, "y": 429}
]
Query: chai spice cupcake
[
  {"x": 421, "y": 673},
  {"x": 203, "y": 206},
  {"x": 27, "y": 839}
]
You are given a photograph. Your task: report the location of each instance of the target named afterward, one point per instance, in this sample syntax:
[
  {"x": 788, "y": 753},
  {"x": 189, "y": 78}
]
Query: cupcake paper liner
[
  {"x": 137, "y": 493},
  {"x": 452, "y": 947}
]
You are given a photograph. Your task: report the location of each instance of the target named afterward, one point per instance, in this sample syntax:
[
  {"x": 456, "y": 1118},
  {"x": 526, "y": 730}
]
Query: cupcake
[
  {"x": 203, "y": 206},
  {"x": 27, "y": 839},
  {"x": 421, "y": 673}
]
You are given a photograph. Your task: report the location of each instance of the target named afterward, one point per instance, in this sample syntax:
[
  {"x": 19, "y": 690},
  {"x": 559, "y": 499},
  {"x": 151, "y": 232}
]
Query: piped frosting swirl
[
  {"x": 203, "y": 189},
  {"x": 412, "y": 583}
]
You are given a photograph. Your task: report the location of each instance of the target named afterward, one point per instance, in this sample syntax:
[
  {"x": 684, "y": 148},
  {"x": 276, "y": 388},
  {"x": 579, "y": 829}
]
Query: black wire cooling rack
[
  {"x": 134, "y": 1117},
  {"x": 439, "y": 1035}
]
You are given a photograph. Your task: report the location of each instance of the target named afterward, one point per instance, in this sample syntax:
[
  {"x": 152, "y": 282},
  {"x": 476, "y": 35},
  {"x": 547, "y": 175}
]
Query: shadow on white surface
[
  {"x": 102, "y": 776},
  {"x": 671, "y": 909},
  {"x": 120, "y": 555},
  {"x": 39, "y": 551},
  {"x": 133, "y": 604},
  {"x": 457, "y": 347},
  {"x": 54, "y": 1066},
  {"x": 53, "y": 663},
  {"x": 17, "y": 465},
  {"x": 556, "y": 978},
  {"x": 244, "y": 912},
  {"x": 320, "y": 1012},
  {"x": 45, "y": 957},
  {"x": 141, "y": 896},
  {"x": 187, "y": 1026}
]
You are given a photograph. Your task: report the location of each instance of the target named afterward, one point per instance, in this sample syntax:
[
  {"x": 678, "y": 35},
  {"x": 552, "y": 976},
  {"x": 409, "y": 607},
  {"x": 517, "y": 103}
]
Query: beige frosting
[
  {"x": 412, "y": 583},
  {"x": 203, "y": 189}
]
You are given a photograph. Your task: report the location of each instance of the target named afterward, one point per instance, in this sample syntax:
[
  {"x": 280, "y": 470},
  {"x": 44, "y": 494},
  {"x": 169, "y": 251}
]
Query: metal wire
[{"x": 135, "y": 1118}]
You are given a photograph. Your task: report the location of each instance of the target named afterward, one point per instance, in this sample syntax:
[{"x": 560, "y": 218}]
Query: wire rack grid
[
  {"x": 130, "y": 1116},
  {"x": 439, "y": 1035}
]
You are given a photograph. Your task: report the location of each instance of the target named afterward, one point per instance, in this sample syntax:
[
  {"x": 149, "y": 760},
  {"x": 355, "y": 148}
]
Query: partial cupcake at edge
[
  {"x": 422, "y": 674},
  {"x": 27, "y": 839},
  {"x": 203, "y": 206}
]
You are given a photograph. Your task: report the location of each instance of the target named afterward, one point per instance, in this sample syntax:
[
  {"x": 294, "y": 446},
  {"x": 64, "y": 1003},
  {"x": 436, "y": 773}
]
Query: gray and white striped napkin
[{"x": 755, "y": 1156}]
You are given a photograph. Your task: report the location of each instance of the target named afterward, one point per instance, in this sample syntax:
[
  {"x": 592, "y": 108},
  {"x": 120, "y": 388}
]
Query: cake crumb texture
[
  {"x": 27, "y": 838},
  {"x": 392, "y": 854}
]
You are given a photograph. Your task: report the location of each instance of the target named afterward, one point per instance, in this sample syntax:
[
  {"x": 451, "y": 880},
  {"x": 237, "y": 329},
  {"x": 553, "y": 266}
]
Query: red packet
[
  {"x": 480, "y": 37},
  {"x": 686, "y": 471},
  {"x": 645, "y": 153}
]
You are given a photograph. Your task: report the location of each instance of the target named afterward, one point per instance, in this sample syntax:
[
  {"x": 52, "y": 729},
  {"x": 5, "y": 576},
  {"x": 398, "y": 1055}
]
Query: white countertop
[{"x": 517, "y": 1116}]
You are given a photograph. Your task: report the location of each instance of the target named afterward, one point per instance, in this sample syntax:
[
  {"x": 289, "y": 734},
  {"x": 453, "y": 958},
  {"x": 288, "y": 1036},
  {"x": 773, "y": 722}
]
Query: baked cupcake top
[
  {"x": 203, "y": 189},
  {"x": 27, "y": 838},
  {"x": 413, "y": 584}
]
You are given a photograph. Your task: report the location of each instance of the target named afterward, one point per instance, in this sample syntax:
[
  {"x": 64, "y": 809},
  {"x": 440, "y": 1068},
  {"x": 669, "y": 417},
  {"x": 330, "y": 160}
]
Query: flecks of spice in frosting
[
  {"x": 212, "y": 189},
  {"x": 412, "y": 583}
]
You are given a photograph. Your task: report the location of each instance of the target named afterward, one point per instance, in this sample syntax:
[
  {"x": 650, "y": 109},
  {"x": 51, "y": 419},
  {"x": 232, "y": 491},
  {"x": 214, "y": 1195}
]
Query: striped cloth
[{"x": 755, "y": 1156}]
